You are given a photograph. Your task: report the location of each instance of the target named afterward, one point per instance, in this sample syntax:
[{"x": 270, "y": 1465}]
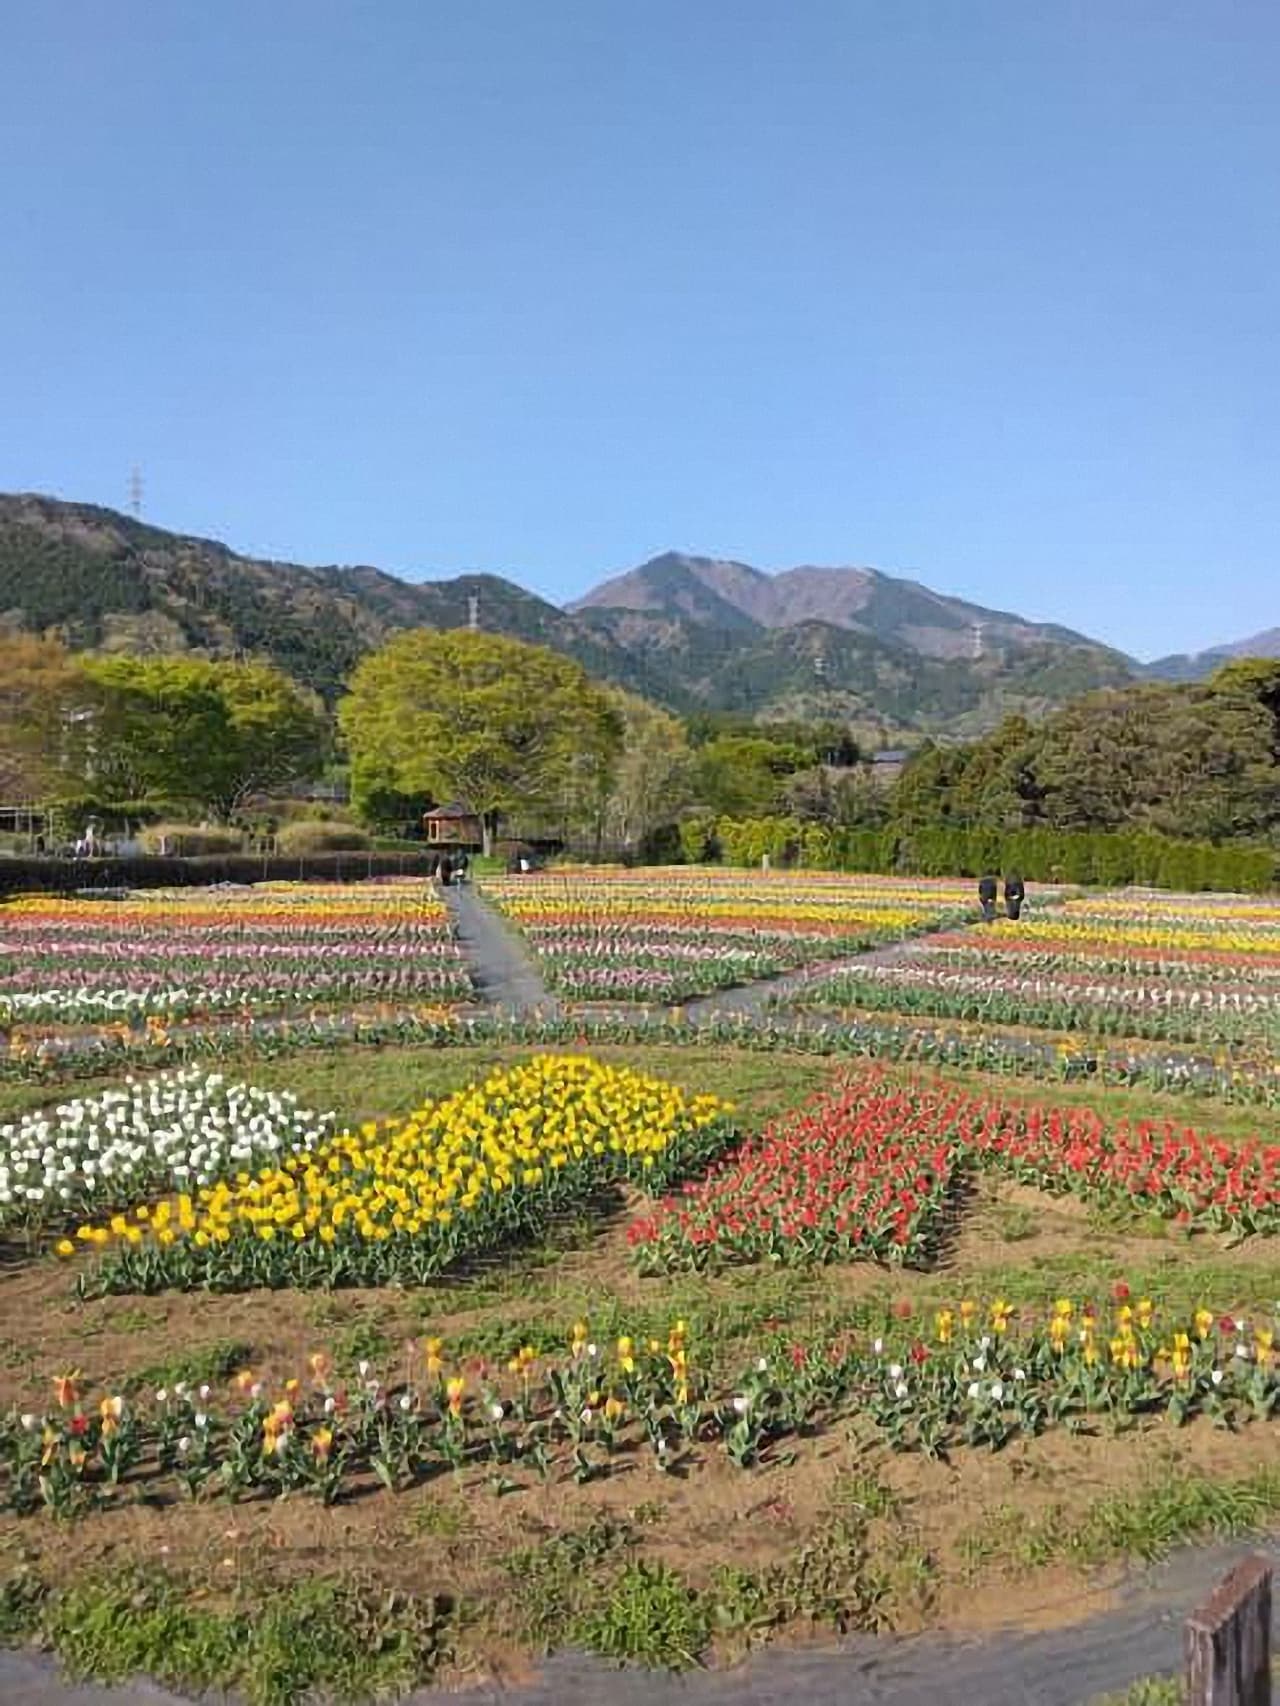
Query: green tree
[
  {"x": 497, "y": 723},
  {"x": 742, "y": 775},
  {"x": 279, "y": 733},
  {"x": 41, "y": 692},
  {"x": 193, "y": 730},
  {"x": 653, "y": 778}
]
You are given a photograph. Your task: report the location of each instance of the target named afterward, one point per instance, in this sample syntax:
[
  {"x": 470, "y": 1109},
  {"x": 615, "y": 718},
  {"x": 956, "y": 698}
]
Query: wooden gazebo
[{"x": 454, "y": 825}]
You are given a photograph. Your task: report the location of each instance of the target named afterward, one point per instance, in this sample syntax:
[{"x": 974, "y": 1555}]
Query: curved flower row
[
  {"x": 480, "y": 1169},
  {"x": 178, "y": 1131},
  {"x": 1233, "y": 1075},
  {"x": 866, "y": 1170},
  {"x": 1158, "y": 1011},
  {"x": 555, "y": 1413}
]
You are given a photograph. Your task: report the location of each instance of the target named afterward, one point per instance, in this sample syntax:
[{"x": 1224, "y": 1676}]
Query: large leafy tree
[
  {"x": 653, "y": 779},
  {"x": 499, "y": 724},
  {"x": 190, "y": 729},
  {"x": 742, "y": 775},
  {"x": 41, "y": 692}
]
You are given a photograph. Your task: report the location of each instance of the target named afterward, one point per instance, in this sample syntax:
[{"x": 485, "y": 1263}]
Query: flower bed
[
  {"x": 404, "y": 1201},
  {"x": 180, "y": 1131},
  {"x": 174, "y": 954},
  {"x": 862, "y": 1172},
  {"x": 1203, "y": 972},
  {"x": 672, "y": 934},
  {"x": 865, "y": 1170},
  {"x": 1067, "y": 1000},
  {"x": 978, "y": 1376}
]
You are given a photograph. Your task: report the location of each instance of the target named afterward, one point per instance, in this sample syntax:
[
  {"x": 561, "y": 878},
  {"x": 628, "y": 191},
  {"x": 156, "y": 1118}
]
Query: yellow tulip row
[{"x": 494, "y": 1142}]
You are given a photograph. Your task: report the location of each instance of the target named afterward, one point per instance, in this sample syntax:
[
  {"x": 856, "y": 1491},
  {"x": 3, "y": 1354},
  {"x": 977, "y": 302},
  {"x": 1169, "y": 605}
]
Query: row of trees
[
  {"x": 1200, "y": 761},
  {"x": 145, "y": 733},
  {"x": 518, "y": 731}
]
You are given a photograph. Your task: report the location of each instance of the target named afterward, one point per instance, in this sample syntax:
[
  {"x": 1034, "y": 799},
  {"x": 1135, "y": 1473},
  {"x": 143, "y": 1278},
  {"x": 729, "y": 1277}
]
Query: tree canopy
[
  {"x": 181, "y": 728},
  {"x": 1200, "y": 761},
  {"x": 40, "y": 688},
  {"x": 499, "y": 724}
]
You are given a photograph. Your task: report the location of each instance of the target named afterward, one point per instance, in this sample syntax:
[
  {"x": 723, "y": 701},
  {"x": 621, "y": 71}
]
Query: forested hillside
[{"x": 105, "y": 582}]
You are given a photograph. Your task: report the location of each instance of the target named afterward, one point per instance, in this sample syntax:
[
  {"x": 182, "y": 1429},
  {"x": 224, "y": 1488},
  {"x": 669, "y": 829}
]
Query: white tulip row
[{"x": 175, "y": 1132}]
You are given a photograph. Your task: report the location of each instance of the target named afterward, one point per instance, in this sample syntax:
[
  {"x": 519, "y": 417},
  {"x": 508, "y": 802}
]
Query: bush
[
  {"x": 190, "y": 841},
  {"x": 310, "y": 836},
  {"x": 698, "y": 840},
  {"x": 67, "y": 876},
  {"x": 1039, "y": 855}
]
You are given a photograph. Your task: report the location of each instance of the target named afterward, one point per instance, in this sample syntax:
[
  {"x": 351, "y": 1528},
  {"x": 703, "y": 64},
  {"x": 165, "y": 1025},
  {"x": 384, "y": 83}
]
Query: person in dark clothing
[
  {"x": 446, "y": 870},
  {"x": 1015, "y": 892},
  {"x": 461, "y": 867},
  {"x": 987, "y": 890}
]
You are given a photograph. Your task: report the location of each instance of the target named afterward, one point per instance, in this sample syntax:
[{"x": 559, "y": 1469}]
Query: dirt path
[{"x": 1070, "y": 1666}]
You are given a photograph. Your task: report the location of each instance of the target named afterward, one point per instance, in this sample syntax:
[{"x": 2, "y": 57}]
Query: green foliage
[
  {"x": 502, "y": 725},
  {"x": 651, "y": 1616},
  {"x": 189, "y": 729},
  {"x": 653, "y": 777},
  {"x": 211, "y": 1365},
  {"x": 40, "y": 689},
  {"x": 1041, "y": 855},
  {"x": 308, "y": 836},
  {"x": 189, "y": 840},
  {"x": 742, "y": 774},
  {"x": 275, "y": 1647},
  {"x": 1189, "y": 763}
]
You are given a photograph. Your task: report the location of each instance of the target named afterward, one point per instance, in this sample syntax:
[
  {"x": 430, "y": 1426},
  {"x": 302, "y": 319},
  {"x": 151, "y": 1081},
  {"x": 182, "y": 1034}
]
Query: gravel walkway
[
  {"x": 1071, "y": 1666},
  {"x": 504, "y": 975},
  {"x": 753, "y": 1000}
]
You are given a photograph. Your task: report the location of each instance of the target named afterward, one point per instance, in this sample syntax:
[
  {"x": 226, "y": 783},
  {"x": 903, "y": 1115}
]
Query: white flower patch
[{"x": 176, "y": 1132}]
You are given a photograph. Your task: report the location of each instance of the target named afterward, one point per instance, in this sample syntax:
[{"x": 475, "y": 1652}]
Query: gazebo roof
[{"x": 454, "y": 809}]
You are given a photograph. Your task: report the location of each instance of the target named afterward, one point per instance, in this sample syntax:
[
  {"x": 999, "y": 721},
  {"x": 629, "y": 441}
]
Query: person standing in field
[
  {"x": 1015, "y": 892},
  {"x": 987, "y": 888}
]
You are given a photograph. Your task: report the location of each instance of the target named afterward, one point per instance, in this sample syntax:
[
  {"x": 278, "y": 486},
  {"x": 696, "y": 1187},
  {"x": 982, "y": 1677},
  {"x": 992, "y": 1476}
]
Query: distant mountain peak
[
  {"x": 1194, "y": 666},
  {"x": 901, "y": 612}
]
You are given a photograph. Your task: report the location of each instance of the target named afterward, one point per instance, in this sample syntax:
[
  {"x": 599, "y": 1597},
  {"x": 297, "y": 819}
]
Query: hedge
[
  {"x": 66, "y": 876},
  {"x": 1118, "y": 860}
]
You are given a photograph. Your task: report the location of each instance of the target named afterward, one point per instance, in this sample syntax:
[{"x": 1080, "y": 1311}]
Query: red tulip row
[
  {"x": 867, "y": 1169},
  {"x": 864, "y": 1171}
]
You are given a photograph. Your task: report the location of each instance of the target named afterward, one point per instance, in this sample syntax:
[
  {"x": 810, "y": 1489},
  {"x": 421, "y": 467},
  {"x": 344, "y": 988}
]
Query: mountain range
[
  {"x": 887, "y": 655},
  {"x": 1194, "y": 666}
]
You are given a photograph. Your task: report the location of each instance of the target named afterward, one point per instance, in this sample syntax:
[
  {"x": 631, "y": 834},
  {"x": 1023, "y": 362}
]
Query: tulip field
[
  {"x": 661, "y": 1334},
  {"x": 671, "y": 935},
  {"x": 168, "y": 956},
  {"x": 1202, "y": 971}
]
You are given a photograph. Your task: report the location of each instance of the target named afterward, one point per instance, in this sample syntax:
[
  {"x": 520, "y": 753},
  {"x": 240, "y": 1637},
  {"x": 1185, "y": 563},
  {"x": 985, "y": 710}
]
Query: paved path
[
  {"x": 503, "y": 972},
  {"x": 1070, "y": 1666},
  {"x": 754, "y": 1000}
]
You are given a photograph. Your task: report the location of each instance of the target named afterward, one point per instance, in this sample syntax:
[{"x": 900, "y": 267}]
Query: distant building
[{"x": 454, "y": 825}]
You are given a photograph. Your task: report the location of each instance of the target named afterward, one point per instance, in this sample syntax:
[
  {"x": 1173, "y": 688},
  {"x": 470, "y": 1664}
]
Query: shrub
[
  {"x": 1040, "y": 855},
  {"x": 311, "y": 836},
  {"x": 191, "y": 841}
]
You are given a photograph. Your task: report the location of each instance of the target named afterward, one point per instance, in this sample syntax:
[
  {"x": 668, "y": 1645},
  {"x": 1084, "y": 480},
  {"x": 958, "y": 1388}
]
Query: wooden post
[{"x": 1228, "y": 1641}]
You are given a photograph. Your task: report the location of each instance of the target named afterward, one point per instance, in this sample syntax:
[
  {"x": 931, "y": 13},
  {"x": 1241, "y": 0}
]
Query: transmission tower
[
  {"x": 473, "y": 611},
  {"x": 135, "y": 492},
  {"x": 977, "y": 639}
]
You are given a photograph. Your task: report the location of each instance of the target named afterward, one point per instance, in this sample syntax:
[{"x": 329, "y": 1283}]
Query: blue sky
[{"x": 984, "y": 293}]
